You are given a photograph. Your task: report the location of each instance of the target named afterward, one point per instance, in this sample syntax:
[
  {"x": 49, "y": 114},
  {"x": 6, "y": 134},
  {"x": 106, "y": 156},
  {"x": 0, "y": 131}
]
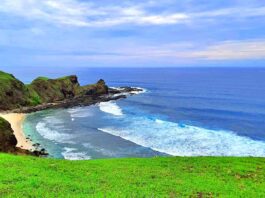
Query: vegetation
[
  {"x": 7, "y": 139},
  {"x": 51, "y": 90},
  {"x": 15, "y": 94},
  {"x": 22, "y": 176}
]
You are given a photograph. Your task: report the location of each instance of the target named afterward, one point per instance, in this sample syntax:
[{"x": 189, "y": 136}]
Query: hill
[{"x": 14, "y": 94}]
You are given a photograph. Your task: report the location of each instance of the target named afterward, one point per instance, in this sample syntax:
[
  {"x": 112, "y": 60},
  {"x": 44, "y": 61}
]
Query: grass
[
  {"x": 42, "y": 78},
  {"x": 153, "y": 177},
  {"x": 5, "y": 80}
]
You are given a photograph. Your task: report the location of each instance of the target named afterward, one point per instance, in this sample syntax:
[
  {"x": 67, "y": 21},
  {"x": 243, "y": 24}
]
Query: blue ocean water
[{"x": 183, "y": 112}]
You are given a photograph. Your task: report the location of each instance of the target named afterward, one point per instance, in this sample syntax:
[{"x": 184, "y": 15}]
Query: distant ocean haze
[{"x": 183, "y": 112}]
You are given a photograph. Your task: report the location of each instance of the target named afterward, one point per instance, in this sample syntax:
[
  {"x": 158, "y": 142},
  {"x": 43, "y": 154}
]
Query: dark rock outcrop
[{"x": 8, "y": 141}]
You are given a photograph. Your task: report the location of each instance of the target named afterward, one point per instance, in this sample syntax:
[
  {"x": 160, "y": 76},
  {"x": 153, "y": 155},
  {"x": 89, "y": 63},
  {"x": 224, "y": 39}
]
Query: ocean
[{"x": 182, "y": 112}]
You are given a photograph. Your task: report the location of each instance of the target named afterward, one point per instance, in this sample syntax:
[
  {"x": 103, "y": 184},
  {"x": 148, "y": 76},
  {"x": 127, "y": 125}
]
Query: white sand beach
[{"x": 16, "y": 120}]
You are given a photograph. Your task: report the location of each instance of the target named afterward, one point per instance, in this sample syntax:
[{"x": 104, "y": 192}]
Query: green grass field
[{"x": 154, "y": 177}]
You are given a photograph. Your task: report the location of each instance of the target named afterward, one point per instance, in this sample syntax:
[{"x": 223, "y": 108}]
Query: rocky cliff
[
  {"x": 8, "y": 140},
  {"x": 14, "y": 94}
]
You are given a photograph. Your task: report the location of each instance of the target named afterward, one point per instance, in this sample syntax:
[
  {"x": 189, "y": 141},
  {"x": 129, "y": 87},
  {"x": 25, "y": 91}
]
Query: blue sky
[{"x": 132, "y": 33}]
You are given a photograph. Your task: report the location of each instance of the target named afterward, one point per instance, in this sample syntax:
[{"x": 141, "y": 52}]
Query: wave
[
  {"x": 79, "y": 112},
  {"x": 71, "y": 154},
  {"x": 52, "y": 135},
  {"x": 139, "y": 92},
  {"x": 184, "y": 140},
  {"x": 111, "y": 108},
  {"x": 53, "y": 120},
  {"x": 143, "y": 90}
]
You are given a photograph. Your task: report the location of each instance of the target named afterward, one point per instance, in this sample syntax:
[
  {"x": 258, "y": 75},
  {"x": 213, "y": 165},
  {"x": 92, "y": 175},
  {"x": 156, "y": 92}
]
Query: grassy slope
[{"x": 155, "y": 177}]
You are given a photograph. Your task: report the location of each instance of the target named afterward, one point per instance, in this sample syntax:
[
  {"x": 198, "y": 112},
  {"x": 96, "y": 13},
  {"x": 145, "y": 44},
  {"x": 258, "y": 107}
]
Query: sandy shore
[{"x": 16, "y": 121}]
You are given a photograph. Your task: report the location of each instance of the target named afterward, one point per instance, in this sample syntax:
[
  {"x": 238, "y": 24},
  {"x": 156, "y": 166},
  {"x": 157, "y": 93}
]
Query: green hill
[
  {"x": 14, "y": 94},
  {"x": 24, "y": 176}
]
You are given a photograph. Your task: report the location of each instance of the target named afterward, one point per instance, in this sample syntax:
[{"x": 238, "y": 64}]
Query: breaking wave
[
  {"x": 51, "y": 134},
  {"x": 111, "y": 108},
  {"x": 184, "y": 140}
]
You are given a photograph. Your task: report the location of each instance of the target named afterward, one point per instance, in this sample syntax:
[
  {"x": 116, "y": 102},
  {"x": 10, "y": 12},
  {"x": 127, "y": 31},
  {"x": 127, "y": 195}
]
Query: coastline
[{"x": 16, "y": 120}]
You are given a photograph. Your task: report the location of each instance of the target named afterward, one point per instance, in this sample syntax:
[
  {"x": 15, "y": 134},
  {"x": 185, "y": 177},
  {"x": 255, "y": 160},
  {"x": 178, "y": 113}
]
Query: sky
[{"x": 132, "y": 33}]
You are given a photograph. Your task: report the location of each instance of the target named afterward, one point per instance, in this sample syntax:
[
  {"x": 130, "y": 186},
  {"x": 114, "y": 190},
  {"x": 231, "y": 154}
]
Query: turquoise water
[{"x": 183, "y": 112}]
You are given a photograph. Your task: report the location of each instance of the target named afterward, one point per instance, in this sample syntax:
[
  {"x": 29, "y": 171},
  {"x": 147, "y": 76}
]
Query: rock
[{"x": 8, "y": 140}]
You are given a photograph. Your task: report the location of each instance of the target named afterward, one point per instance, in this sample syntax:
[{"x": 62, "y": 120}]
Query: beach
[{"x": 16, "y": 120}]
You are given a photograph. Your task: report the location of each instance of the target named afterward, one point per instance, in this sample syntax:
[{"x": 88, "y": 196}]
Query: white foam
[
  {"x": 143, "y": 90},
  {"x": 53, "y": 120},
  {"x": 80, "y": 112},
  {"x": 71, "y": 154},
  {"x": 159, "y": 121},
  {"x": 184, "y": 140},
  {"x": 139, "y": 92},
  {"x": 111, "y": 108},
  {"x": 53, "y": 135}
]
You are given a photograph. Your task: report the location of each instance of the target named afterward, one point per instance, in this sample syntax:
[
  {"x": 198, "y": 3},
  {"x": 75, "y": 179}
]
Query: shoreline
[
  {"x": 16, "y": 117},
  {"x": 16, "y": 120}
]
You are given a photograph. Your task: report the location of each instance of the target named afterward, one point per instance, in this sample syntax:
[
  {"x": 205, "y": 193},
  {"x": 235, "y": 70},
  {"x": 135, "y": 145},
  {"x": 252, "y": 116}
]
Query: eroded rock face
[
  {"x": 100, "y": 88},
  {"x": 51, "y": 90},
  {"x": 8, "y": 140}
]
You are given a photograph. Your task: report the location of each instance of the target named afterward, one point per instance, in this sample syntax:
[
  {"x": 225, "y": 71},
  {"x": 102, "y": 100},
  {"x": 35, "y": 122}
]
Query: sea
[{"x": 180, "y": 112}]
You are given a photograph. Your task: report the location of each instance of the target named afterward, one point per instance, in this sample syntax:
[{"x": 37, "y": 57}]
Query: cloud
[
  {"x": 232, "y": 50},
  {"x": 179, "y": 52},
  {"x": 96, "y": 14},
  {"x": 221, "y": 51},
  {"x": 234, "y": 12},
  {"x": 76, "y": 13}
]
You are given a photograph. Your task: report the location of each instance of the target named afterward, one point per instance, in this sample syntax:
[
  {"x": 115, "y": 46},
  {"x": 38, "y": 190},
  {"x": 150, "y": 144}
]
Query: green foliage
[
  {"x": 15, "y": 94},
  {"x": 7, "y": 139},
  {"x": 5, "y": 80},
  {"x": 52, "y": 90},
  {"x": 3, "y": 124},
  {"x": 153, "y": 177},
  {"x": 42, "y": 78}
]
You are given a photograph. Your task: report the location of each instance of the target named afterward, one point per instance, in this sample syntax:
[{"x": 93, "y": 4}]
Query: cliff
[
  {"x": 8, "y": 140},
  {"x": 14, "y": 94}
]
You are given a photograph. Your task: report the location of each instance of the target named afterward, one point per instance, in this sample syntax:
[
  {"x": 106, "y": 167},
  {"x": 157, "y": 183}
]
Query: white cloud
[
  {"x": 88, "y": 14},
  {"x": 76, "y": 13},
  {"x": 226, "y": 50},
  {"x": 234, "y": 12},
  {"x": 181, "y": 52},
  {"x": 232, "y": 50}
]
